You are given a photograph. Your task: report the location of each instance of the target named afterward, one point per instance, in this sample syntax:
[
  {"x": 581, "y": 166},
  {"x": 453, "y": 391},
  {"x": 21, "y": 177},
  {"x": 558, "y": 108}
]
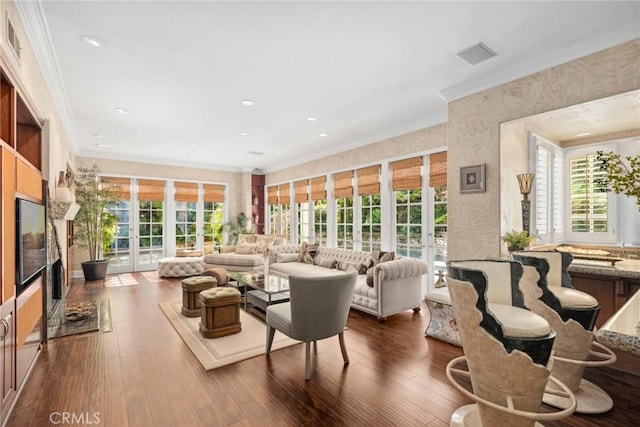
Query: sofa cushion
[
  {"x": 248, "y": 249},
  {"x": 287, "y": 257},
  {"x": 188, "y": 252},
  {"x": 325, "y": 262},
  {"x": 298, "y": 269},
  {"x": 307, "y": 252},
  {"x": 234, "y": 259}
]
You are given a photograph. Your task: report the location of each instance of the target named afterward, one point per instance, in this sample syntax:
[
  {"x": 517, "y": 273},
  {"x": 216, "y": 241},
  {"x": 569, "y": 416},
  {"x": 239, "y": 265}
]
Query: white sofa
[
  {"x": 396, "y": 286},
  {"x": 247, "y": 255}
]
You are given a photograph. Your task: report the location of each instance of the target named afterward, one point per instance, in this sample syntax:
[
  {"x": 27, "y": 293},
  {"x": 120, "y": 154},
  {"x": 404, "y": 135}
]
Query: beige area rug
[{"x": 216, "y": 352}]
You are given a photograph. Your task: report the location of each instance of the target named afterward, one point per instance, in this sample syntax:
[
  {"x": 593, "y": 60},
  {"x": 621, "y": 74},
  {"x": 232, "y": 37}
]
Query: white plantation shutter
[
  {"x": 542, "y": 193},
  {"x": 587, "y": 201},
  {"x": 557, "y": 200}
]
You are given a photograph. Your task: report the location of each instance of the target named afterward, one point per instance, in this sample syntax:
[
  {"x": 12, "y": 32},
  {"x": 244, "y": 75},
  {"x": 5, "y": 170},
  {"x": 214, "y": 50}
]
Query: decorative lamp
[{"x": 525, "y": 180}]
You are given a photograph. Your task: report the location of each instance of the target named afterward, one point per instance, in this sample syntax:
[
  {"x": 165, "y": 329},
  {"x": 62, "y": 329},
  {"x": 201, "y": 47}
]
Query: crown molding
[
  {"x": 35, "y": 25},
  {"x": 569, "y": 53}
]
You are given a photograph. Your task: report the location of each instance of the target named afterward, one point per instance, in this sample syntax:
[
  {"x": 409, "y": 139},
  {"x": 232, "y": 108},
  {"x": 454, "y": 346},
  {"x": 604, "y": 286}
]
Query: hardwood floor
[{"x": 142, "y": 374}]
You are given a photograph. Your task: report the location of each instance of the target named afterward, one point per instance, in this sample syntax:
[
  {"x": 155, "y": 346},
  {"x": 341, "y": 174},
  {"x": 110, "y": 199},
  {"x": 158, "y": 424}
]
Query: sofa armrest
[{"x": 399, "y": 268}]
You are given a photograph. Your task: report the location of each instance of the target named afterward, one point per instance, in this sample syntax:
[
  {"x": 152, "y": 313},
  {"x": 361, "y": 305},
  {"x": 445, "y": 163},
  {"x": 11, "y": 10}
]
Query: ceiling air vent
[
  {"x": 256, "y": 153},
  {"x": 476, "y": 54},
  {"x": 12, "y": 38}
]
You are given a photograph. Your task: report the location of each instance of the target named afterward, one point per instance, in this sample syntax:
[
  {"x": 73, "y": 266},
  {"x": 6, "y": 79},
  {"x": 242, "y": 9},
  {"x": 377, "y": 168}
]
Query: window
[
  {"x": 272, "y": 201},
  {"x": 409, "y": 223},
  {"x": 213, "y": 196},
  {"x": 370, "y": 207},
  {"x": 438, "y": 182},
  {"x": 119, "y": 252},
  {"x": 285, "y": 209},
  {"x": 186, "y": 225},
  {"x": 150, "y": 221},
  {"x": 588, "y": 204},
  {"x": 319, "y": 199},
  {"x": 302, "y": 207},
  {"x": 343, "y": 193}
]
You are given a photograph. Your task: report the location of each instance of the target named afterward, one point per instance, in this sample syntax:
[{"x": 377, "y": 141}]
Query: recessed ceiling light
[
  {"x": 121, "y": 110},
  {"x": 92, "y": 41},
  {"x": 323, "y": 134},
  {"x": 97, "y": 135},
  {"x": 311, "y": 119},
  {"x": 247, "y": 102},
  {"x": 279, "y": 152},
  {"x": 102, "y": 146},
  {"x": 244, "y": 133},
  {"x": 584, "y": 134},
  {"x": 194, "y": 145}
]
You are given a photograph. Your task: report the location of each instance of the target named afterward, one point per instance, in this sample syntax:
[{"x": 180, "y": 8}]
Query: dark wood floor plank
[{"x": 143, "y": 374}]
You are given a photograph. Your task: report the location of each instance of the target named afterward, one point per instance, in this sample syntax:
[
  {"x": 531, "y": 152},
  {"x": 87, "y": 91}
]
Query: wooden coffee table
[{"x": 265, "y": 289}]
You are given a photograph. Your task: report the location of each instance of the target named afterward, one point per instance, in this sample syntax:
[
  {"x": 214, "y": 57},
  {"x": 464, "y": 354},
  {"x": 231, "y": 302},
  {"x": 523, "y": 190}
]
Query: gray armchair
[{"x": 318, "y": 309}]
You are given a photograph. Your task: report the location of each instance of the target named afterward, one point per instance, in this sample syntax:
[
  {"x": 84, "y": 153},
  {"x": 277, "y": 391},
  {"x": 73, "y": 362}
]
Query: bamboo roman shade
[
  {"x": 438, "y": 169},
  {"x": 285, "y": 197},
  {"x": 151, "y": 190},
  {"x": 302, "y": 191},
  {"x": 272, "y": 195},
  {"x": 120, "y": 187},
  {"x": 343, "y": 185},
  {"x": 407, "y": 174},
  {"x": 213, "y": 192},
  {"x": 186, "y": 191},
  {"x": 369, "y": 180},
  {"x": 319, "y": 188}
]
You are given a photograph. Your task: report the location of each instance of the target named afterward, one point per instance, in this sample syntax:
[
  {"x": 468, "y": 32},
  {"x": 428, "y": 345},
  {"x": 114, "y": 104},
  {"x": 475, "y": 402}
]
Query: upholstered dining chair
[
  {"x": 572, "y": 314},
  {"x": 318, "y": 309},
  {"x": 506, "y": 347}
]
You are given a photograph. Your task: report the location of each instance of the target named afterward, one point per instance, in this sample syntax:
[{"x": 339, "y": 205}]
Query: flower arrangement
[{"x": 517, "y": 240}]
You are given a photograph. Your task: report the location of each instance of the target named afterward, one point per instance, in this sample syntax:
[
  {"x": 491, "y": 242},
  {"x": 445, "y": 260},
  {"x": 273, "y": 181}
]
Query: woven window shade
[
  {"x": 186, "y": 191},
  {"x": 438, "y": 169},
  {"x": 319, "y": 188},
  {"x": 272, "y": 195},
  {"x": 285, "y": 197},
  {"x": 213, "y": 192},
  {"x": 151, "y": 190},
  {"x": 407, "y": 174},
  {"x": 120, "y": 187},
  {"x": 302, "y": 191},
  {"x": 343, "y": 184},
  {"x": 369, "y": 180}
]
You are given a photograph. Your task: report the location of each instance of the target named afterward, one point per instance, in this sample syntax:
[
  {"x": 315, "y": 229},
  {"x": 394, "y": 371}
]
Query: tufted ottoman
[
  {"x": 220, "y": 312},
  {"x": 180, "y": 266},
  {"x": 191, "y": 288}
]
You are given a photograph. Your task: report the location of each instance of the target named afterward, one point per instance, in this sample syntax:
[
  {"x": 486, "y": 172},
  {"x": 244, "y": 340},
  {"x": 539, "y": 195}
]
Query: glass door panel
[
  {"x": 150, "y": 241},
  {"x": 119, "y": 252}
]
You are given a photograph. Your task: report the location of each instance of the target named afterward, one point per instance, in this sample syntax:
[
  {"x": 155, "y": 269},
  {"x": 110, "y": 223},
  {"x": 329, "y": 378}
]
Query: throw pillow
[
  {"x": 325, "y": 262},
  {"x": 345, "y": 265},
  {"x": 378, "y": 257},
  {"x": 287, "y": 257},
  {"x": 245, "y": 239},
  {"x": 227, "y": 249},
  {"x": 307, "y": 252}
]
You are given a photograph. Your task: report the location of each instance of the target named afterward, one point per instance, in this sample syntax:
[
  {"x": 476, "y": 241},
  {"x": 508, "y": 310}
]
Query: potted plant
[
  {"x": 620, "y": 178},
  {"x": 235, "y": 228},
  {"x": 517, "y": 240},
  {"x": 94, "y": 226}
]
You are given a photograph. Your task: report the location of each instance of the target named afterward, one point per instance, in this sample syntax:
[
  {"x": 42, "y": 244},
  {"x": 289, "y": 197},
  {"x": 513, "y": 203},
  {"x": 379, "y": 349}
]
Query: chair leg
[
  {"x": 343, "y": 348},
  {"x": 307, "y": 361},
  {"x": 315, "y": 347},
  {"x": 270, "y": 334}
]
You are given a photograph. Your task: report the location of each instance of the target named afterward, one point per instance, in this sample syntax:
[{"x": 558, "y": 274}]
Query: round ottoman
[
  {"x": 220, "y": 311},
  {"x": 191, "y": 289}
]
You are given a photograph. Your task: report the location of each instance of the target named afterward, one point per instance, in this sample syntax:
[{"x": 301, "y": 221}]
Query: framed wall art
[{"x": 472, "y": 179}]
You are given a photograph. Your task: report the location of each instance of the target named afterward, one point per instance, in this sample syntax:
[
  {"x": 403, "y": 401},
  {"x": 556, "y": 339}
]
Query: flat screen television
[{"x": 31, "y": 256}]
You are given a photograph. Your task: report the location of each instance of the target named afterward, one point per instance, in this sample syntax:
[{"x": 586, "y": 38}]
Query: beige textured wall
[
  {"x": 33, "y": 89},
  {"x": 403, "y": 145},
  {"x": 474, "y": 134}
]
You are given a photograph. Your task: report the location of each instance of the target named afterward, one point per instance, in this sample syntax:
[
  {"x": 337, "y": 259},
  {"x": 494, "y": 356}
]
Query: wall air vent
[
  {"x": 476, "y": 54},
  {"x": 12, "y": 38},
  {"x": 256, "y": 153}
]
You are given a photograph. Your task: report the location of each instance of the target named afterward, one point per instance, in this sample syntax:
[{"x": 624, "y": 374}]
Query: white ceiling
[{"x": 366, "y": 70}]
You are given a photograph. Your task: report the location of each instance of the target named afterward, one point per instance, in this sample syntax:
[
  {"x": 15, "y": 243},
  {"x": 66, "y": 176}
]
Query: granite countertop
[
  {"x": 627, "y": 269},
  {"x": 622, "y": 331}
]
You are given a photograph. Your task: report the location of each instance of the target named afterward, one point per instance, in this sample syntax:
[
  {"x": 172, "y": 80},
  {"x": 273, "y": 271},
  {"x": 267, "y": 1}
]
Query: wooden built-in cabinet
[
  {"x": 22, "y": 317},
  {"x": 610, "y": 291}
]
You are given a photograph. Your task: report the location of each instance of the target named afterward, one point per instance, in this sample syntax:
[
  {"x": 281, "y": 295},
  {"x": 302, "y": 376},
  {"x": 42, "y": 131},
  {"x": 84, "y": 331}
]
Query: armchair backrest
[
  {"x": 320, "y": 305},
  {"x": 503, "y": 276},
  {"x": 558, "y": 264}
]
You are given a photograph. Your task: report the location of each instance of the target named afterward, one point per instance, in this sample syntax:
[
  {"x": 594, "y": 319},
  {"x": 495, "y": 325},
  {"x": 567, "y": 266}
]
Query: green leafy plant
[
  {"x": 517, "y": 240},
  {"x": 622, "y": 179},
  {"x": 235, "y": 228},
  {"x": 94, "y": 226}
]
